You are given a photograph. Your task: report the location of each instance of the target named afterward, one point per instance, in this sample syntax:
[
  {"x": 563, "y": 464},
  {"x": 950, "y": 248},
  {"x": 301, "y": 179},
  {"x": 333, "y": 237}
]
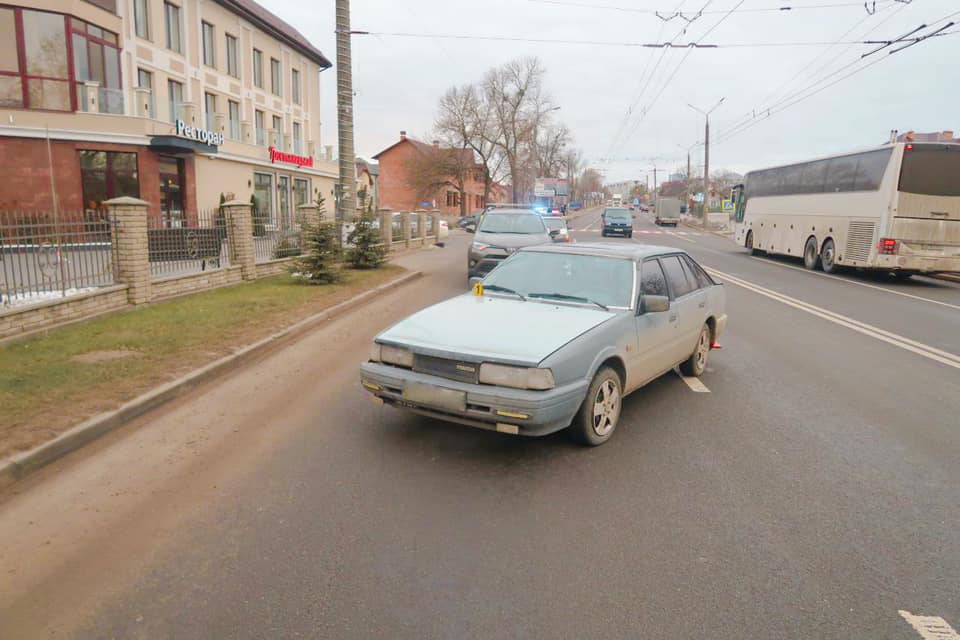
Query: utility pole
[
  {"x": 687, "y": 189},
  {"x": 347, "y": 210},
  {"x": 706, "y": 156}
]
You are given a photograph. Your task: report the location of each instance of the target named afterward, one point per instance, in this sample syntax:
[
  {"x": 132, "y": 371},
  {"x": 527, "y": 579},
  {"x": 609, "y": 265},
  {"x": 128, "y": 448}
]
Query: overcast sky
[{"x": 398, "y": 80}]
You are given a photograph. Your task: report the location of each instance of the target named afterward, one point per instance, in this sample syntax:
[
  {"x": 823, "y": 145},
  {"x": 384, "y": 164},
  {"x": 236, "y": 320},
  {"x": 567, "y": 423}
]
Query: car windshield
[
  {"x": 616, "y": 214},
  {"x": 512, "y": 223},
  {"x": 568, "y": 277},
  {"x": 553, "y": 223}
]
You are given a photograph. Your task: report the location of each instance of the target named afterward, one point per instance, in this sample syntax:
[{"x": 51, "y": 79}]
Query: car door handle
[{"x": 673, "y": 318}]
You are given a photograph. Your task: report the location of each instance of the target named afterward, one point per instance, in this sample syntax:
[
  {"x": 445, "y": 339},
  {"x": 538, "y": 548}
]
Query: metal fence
[
  {"x": 272, "y": 241},
  {"x": 186, "y": 244},
  {"x": 46, "y": 255}
]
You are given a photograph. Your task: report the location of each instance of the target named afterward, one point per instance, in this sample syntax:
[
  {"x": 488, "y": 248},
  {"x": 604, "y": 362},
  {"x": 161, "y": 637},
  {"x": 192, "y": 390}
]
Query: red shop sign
[{"x": 280, "y": 156}]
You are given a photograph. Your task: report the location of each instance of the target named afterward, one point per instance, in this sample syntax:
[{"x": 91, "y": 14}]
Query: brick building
[
  {"x": 397, "y": 189},
  {"x": 172, "y": 101}
]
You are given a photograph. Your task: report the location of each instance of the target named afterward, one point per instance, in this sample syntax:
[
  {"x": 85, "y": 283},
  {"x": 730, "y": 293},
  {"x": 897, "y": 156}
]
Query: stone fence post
[
  {"x": 309, "y": 213},
  {"x": 421, "y": 225},
  {"x": 405, "y": 222},
  {"x": 240, "y": 237},
  {"x": 130, "y": 246},
  {"x": 386, "y": 227}
]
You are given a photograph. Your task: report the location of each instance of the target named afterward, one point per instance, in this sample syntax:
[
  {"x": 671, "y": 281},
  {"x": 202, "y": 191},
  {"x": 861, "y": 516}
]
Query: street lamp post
[
  {"x": 706, "y": 155},
  {"x": 687, "y": 189}
]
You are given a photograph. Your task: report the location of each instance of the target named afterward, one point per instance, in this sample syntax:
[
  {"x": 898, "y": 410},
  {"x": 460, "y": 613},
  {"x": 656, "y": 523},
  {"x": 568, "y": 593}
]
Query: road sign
[{"x": 727, "y": 205}]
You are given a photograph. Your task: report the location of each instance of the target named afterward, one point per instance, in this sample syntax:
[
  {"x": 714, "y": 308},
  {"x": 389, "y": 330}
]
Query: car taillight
[{"x": 887, "y": 246}]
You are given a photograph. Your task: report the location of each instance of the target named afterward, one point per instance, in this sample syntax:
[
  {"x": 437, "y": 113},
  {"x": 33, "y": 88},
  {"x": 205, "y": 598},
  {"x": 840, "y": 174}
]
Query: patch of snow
[{"x": 34, "y": 297}]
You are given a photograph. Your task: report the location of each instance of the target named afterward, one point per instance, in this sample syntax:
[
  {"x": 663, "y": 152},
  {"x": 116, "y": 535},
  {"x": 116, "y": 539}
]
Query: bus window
[
  {"x": 814, "y": 176},
  {"x": 840, "y": 174},
  {"x": 931, "y": 170},
  {"x": 870, "y": 169}
]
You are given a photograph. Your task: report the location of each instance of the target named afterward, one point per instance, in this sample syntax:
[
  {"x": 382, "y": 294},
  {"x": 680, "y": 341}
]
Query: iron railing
[
  {"x": 189, "y": 243},
  {"x": 46, "y": 255},
  {"x": 275, "y": 241}
]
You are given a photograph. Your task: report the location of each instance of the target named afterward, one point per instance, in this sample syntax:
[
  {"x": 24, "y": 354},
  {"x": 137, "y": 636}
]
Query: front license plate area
[{"x": 432, "y": 396}]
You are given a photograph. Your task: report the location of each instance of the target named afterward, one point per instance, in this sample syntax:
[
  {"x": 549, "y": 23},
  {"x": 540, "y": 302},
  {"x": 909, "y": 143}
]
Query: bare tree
[
  {"x": 550, "y": 143},
  {"x": 517, "y": 100},
  {"x": 465, "y": 120},
  {"x": 434, "y": 169}
]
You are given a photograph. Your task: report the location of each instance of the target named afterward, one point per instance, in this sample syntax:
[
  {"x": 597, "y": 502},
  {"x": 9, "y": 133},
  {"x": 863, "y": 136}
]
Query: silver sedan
[{"x": 553, "y": 338}]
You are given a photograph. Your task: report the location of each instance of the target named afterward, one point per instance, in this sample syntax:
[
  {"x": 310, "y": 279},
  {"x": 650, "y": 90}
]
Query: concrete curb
[{"x": 24, "y": 464}]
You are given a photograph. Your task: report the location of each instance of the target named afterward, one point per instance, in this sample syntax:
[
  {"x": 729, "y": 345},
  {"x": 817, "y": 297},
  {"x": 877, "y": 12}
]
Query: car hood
[
  {"x": 512, "y": 240},
  {"x": 494, "y": 328}
]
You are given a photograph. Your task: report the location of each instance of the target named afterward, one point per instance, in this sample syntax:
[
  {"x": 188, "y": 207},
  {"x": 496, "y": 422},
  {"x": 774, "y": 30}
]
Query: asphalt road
[{"x": 814, "y": 492}]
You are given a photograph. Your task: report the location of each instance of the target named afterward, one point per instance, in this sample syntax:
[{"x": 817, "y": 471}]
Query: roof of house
[
  {"x": 277, "y": 28},
  {"x": 423, "y": 146}
]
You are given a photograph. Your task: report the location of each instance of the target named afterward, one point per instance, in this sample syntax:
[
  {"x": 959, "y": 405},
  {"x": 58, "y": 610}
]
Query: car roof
[
  {"x": 497, "y": 212},
  {"x": 607, "y": 249}
]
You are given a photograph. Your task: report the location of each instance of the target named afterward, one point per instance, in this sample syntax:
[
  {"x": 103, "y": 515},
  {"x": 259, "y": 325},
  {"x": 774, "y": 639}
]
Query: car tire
[
  {"x": 696, "y": 364},
  {"x": 828, "y": 257},
  {"x": 630, "y": 234},
  {"x": 603, "y": 234},
  {"x": 599, "y": 414},
  {"x": 811, "y": 259}
]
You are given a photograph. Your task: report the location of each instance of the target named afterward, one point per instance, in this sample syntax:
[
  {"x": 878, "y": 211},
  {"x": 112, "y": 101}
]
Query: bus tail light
[{"x": 887, "y": 246}]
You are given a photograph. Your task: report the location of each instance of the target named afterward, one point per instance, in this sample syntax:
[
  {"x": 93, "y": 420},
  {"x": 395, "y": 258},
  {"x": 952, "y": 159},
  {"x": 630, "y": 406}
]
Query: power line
[{"x": 672, "y": 14}]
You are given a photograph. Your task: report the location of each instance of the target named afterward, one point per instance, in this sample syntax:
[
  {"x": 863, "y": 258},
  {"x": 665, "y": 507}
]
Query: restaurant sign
[
  {"x": 201, "y": 135},
  {"x": 280, "y": 156}
]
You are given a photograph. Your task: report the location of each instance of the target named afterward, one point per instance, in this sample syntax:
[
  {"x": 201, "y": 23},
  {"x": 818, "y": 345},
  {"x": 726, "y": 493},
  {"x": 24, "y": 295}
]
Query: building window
[
  {"x": 258, "y": 125},
  {"x": 295, "y": 86},
  {"x": 297, "y": 139},
  {"x": 233, "y": 57},
  {"x": 107, "y": 174},
  {"x": 171, "y": 13},
  {"x": 209, "y": 44},
  {"x": 145, "y": 81},
  {"x": 258, "y": 68},
  {"x": 96, "y": 58},
  {"x": 278, "y": 132},
  {"x": 233, "y": 115},
  {"x": 263, "y": 196},
  {"x": 275, "y": 77},
  {"x": 141, "y": 18},
  {"x": 175, "y": 99},
  {"x": 38, "y": 76},
  {"x": 210, "y": 107},
  {"x": 301, "y": 191}
]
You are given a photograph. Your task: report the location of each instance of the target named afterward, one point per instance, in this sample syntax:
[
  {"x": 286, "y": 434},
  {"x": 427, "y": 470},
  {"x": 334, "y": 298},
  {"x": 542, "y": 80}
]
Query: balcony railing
[{"x": 97, "y": 99}]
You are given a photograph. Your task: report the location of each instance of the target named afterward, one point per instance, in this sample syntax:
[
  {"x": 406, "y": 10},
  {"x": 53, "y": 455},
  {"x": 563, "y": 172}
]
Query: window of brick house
[{"x": 107, "y": 174}]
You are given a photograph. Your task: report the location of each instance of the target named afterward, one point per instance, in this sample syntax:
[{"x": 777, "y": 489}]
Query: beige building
[{"x": 178, "y": 102}]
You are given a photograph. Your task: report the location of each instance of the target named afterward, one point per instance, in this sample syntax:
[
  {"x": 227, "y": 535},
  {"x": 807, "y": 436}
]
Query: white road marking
[
  {"x": 856, "y": 282},
  {"x": 896, "y": 340},
  {"x": 677, "y": 235},
  {"x": 693, "y": 382},
  {"x": 930, "y": 627}
]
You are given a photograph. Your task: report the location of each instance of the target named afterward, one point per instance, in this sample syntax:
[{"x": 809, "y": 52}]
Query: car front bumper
[
  {"x": 618, "y": 230},
  {"x": 485, "y": 406}
]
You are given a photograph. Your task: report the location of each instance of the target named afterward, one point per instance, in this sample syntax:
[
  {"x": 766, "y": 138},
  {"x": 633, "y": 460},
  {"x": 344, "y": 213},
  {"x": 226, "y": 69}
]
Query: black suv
[{"x": 617, "y": 222}]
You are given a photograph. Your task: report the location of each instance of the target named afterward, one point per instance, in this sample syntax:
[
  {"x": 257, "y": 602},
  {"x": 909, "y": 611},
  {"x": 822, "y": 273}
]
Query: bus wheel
[
  {"x": 828, "y": 257},
  {"x": 749, "y": 244},
  {"x": 811, "y": 260}
]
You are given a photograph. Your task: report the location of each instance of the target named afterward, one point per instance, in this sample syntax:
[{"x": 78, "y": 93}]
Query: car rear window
[{"x": 675, "y": 276}]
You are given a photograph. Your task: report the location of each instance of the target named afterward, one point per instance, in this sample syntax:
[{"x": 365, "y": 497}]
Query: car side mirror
[
  {"x": 554, "y": 233},
  {"x": 654, "y": 304}
]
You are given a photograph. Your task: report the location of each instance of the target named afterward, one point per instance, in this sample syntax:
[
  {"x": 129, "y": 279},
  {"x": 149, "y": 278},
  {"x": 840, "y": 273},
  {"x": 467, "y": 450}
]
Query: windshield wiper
[
  {"x": 496, "y": 287},
  {"x": 563, "y": 296}
]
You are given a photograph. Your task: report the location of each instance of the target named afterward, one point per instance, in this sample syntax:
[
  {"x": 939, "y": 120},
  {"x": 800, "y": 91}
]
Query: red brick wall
[
  {"x": 396, "y": 192},
  {"x": 25, "y": 182}
]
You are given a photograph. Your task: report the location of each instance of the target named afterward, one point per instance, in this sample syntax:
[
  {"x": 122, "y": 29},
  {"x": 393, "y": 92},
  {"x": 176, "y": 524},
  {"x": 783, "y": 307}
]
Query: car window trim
[
  {"x": 666, "y": 282},
  {"x": 673, "y": 296}
]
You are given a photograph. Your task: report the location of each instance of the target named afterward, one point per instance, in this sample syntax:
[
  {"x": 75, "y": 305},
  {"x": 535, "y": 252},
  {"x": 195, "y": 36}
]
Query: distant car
[
  {"x": 443, "y": 230},
  {"x": 467, "y": 221},
  {"x": 560, "y": 226},
  {"x": 563, "y": 333},
  {"x": 500, "y": 234},
  {"x": 617, "y": 222}
]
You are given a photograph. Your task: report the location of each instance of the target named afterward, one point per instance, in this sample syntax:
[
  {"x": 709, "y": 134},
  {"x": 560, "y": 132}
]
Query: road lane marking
[
  {"x": 930, "y": 627},
  {"x": 693, "y": 382},
  {"x": 676, "y": 235},
  {"x": 896, "y": 340},
  {"x": 862, "y": 284}
]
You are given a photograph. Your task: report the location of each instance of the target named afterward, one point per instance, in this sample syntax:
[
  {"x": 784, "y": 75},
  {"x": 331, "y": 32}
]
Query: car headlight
[
  {"x": 479, "y": 246},
  {"x": 391, "y": 355},
  {"x": 516, "y": 377}
]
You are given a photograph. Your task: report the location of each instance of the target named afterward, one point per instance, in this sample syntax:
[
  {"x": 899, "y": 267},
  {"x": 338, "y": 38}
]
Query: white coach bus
[{"x": 895, "y": 208}]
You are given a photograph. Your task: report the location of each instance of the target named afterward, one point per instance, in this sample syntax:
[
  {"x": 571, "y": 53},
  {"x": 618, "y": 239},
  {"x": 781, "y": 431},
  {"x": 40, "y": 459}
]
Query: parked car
[
  {"x": 560, "y": 226},
  {"x": 563, "y": 333},
  {"x": 500, "y": 234},
  {"x": 443, "y": 230},
  {"x": 467, "y": 221},
  {"x": 617, "y": 222}
]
